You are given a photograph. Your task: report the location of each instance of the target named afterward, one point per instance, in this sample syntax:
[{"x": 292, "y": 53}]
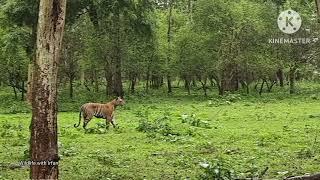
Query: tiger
[{"x": 98, "y": 110}]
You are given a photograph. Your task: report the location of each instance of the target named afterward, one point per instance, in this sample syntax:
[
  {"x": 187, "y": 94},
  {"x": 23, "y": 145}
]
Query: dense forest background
[
  {"x": 215, "y": 46},
  {"x": 209, "y": 94}
]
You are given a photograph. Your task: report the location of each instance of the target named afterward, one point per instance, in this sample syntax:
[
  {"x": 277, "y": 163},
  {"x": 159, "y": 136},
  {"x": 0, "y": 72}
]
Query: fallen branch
[{"x": 305, "y": 177}]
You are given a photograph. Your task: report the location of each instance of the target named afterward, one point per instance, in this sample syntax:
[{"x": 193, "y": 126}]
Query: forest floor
[{"x": 179, "y": 137}]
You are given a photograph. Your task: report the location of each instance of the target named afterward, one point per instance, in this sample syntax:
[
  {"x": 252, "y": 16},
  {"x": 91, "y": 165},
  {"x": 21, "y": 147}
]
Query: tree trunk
[
  {"x": 204, "y": 86},
  {"x": 219, "y": 85},
  {"x": 271, "y": 86},
  {"x": 245, "y": 86},
  {"x": 148, "y": 79},
  {"x": 229, "y": 80},
  {"x": 280, "y": 76},
  {"x": 292, "y": 74},
  {"x": 108, "y": 76},
  {"x": 169, "y": 36},
  {"x": 29, "y": 83},
  {"x": 43, "y": 142},
  {"x": 133, "y": 84},
  {"x": 194, "y": 83},
  {"x": 117, "y": 81},
  {"x": 32, "y": 60},
  {"x": 71, "y": 88},
  {"x": 318, "y": 7},
  {"x": 261, "y": 87},
  {"x": 118, "y": 88},
  {"x": 220, "y": 89},
  {"x": 22, "y": 90},
  {"x": 169, "y": 84},
  {"x": 15, "y": 93},
  {"x": 82, "y": 76},
  {"x": 96, "y": 81},
  {"x": 187, "y": 84}
]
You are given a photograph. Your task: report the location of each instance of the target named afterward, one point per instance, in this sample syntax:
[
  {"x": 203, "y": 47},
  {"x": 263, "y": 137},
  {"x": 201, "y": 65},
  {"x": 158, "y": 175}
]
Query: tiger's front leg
[
  {"x": 112, "y": 120},
  {"x": 107, "y": 121}
]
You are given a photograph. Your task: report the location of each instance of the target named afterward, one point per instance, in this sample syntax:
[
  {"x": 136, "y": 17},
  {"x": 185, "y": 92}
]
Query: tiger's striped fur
[{"x": 105, "y": 111}]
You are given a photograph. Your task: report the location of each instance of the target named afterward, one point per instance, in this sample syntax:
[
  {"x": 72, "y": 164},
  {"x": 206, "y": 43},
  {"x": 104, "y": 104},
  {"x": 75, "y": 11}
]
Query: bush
[
  {"x": 159, "y": 125},
  {"x": 217, "y": 169},
  {"x": 194, "y": 121},
  {"x": 9, "y": 105}
]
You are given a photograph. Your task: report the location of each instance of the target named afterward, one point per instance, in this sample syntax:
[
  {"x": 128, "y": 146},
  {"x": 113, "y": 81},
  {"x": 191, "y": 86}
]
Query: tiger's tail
[{"x": 77, "y": 125}]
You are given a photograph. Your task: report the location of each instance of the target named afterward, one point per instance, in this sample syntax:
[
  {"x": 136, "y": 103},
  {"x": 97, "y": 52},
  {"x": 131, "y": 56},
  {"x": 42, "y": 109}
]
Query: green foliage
[
  {"x": 100, "y": 128},
  {"x": 159, "y": 125},
  {"x": 218, "y": 169},
  {"x": 165, "y": 136},
  {"x": 71, "y": 151},
  {"x": 274, "y": 131},
  {"x": 14, "y": 132},
  {"x": 209, "y": 41},
  {"x": 194, "y": 121},
  {"x": 19, "y": 12},
  {"x": 13, "y": 56},
  {"x": 306, "y": 153},
  {"x": 11, "y": 130}
]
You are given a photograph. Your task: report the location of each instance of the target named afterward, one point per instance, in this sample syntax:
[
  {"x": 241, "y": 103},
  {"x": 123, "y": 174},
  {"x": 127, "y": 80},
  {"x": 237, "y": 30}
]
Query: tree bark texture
[{"x": 43, "y": 142}]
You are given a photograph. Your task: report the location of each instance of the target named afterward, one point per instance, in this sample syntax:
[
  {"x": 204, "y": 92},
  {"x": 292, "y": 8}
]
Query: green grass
[{"x": 246, "y": 133}]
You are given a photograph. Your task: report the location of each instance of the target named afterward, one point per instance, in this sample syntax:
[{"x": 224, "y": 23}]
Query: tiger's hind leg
[
  {"x": 87, "y": 118},
  {"x": 85, "y": 122},
  {"x": 114, "y": 126},
  {"x": 110, "y": 119},
  {"x": 107, "y": 124},
  {"x": 113, "y": 122}
]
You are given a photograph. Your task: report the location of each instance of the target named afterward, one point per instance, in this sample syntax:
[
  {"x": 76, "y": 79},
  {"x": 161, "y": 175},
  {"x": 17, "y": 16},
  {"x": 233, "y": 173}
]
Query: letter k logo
[{"x": 289, "y": 21}]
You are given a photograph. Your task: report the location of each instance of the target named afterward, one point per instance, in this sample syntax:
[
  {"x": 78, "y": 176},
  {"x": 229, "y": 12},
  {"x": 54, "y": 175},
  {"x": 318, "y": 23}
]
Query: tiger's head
[{"x": 119, "y": 101}]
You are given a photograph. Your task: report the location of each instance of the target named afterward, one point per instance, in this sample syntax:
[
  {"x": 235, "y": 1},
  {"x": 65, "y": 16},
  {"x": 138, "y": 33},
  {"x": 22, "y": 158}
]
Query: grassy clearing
[{"x": 177, "y": 137}]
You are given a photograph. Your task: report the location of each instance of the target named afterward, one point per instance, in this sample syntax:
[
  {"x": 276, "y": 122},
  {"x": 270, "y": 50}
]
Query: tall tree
[
  {"x": 169, "y": 36},
  {"x": 43, "y": 142},
  {"x": 23, "y": 13},
  {"x": 318, "y": 7},
  {"x": 70, "y": 57}
]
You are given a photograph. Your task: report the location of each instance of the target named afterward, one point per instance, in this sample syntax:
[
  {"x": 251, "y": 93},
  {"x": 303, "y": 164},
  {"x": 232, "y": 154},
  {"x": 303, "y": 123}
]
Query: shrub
[
  {"x": 157, "y": 126},
  {"x": 194, "y": 121},
  {"x": 217, "y": 169}
]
